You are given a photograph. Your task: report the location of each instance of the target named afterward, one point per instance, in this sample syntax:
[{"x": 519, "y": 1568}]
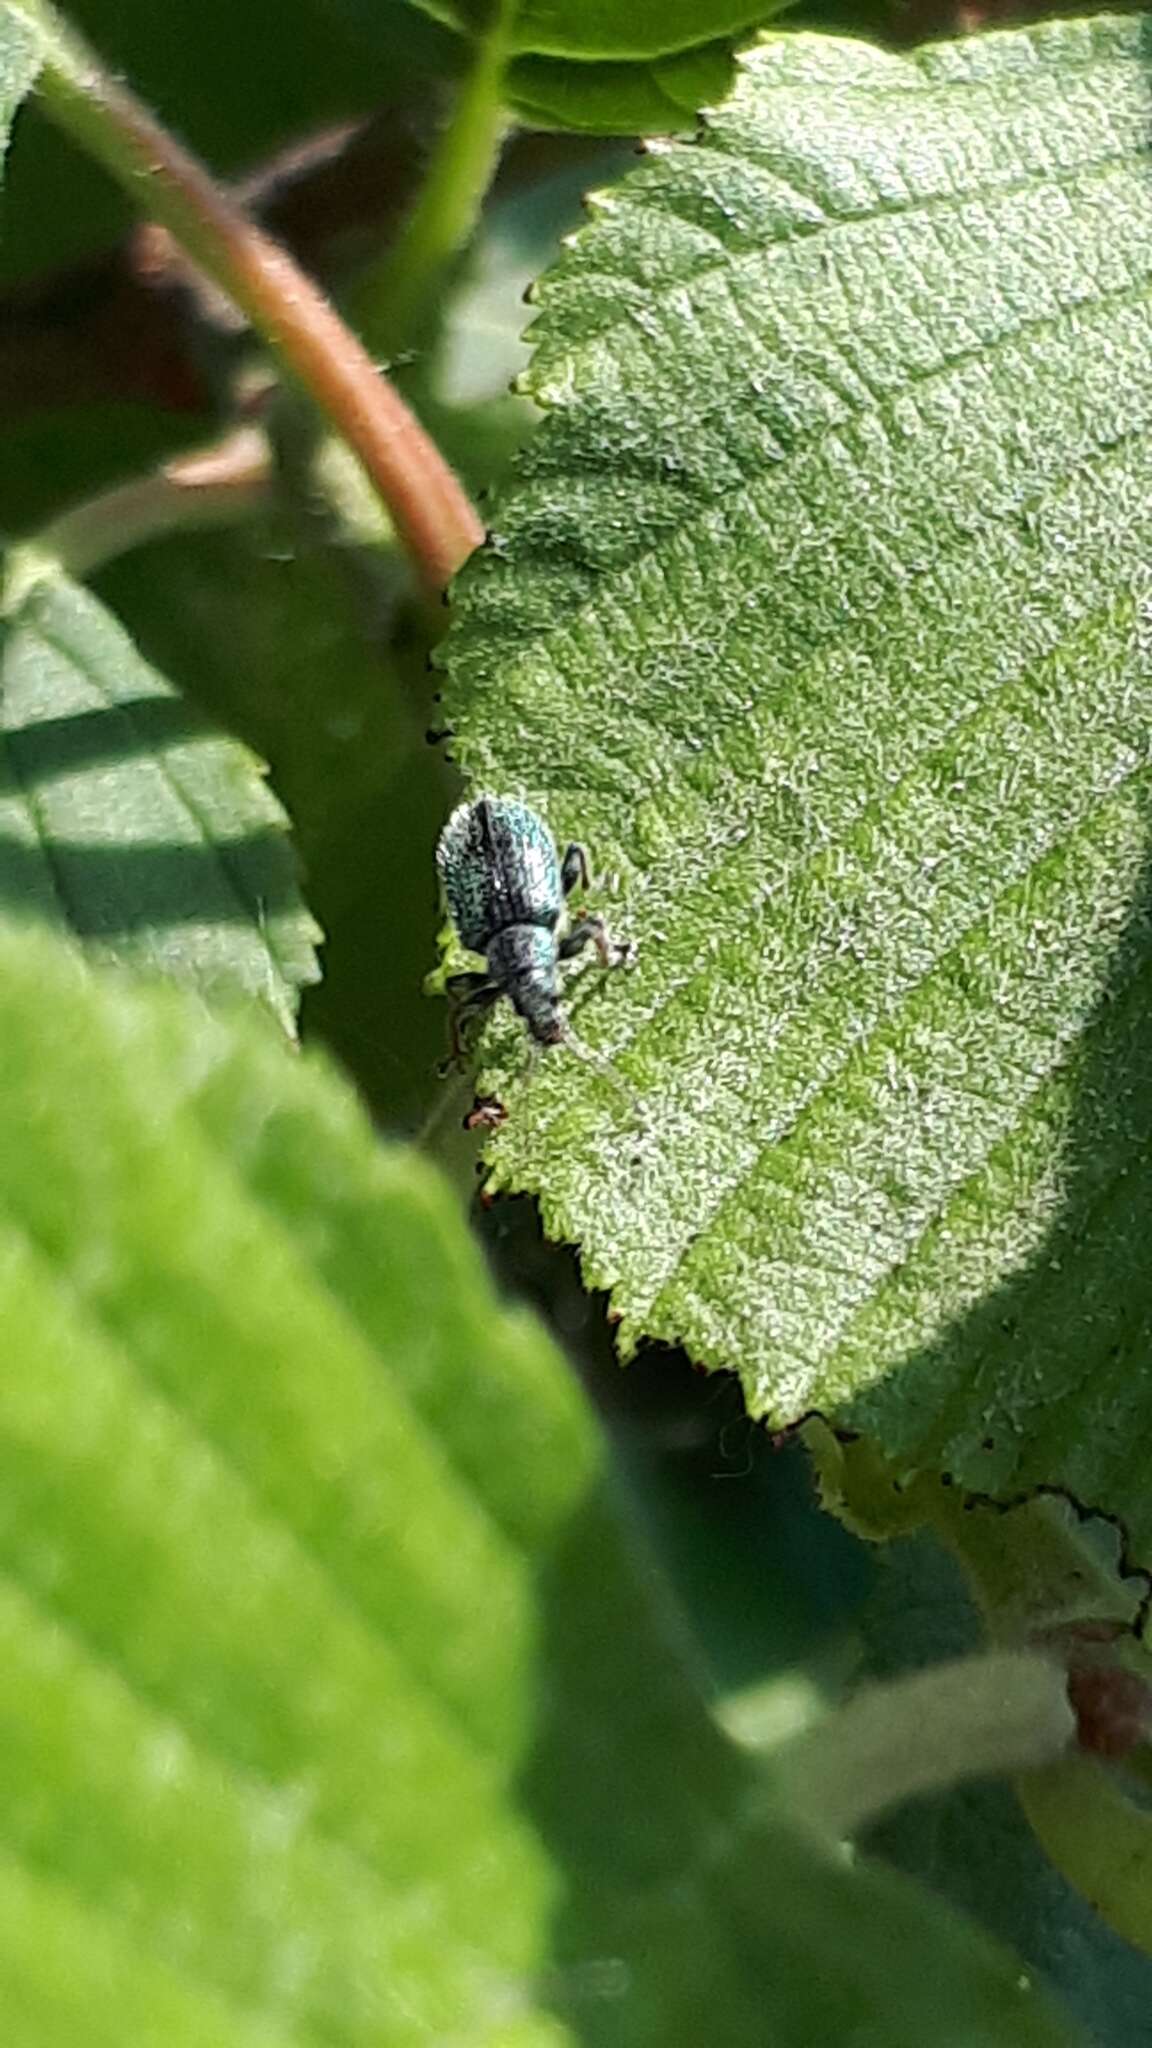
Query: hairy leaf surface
[
  {"x": 19, "y": 63},
  {"x": 820, "y": 606}
]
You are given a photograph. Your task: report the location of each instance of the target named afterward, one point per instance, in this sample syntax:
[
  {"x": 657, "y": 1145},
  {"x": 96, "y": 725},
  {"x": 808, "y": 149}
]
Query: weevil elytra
[{"x": 506, "y": 887}]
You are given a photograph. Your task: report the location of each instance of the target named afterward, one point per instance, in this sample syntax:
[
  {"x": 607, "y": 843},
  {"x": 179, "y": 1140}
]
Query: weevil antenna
[{"x": 607, "y": 1067}]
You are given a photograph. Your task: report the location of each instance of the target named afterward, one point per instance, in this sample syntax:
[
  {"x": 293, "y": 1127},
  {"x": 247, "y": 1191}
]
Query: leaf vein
[{"x": 858, "y": 1048}]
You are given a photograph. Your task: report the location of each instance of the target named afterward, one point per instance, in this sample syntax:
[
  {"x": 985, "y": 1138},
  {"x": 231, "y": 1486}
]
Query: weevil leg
[
  {"x": 463, "y": 987},
  {"x": 592, "y": 931},
  {"x": 470, "y": 995},
  {"x": 574, "y": 869}
]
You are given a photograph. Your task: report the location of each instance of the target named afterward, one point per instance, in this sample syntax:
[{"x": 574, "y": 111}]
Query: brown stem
[{"x": 429, "y": 508}]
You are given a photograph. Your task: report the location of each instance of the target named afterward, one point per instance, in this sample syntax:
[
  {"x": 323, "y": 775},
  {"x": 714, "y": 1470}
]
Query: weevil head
[
  {"x": 547, "y": 1022},
  {"x": 523, "y": 961}
]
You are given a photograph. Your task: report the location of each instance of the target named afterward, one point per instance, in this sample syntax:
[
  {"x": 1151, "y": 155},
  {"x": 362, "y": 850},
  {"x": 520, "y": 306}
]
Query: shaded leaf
[
  {"x": 643, "y": 69},
  {"x": 483, "y": 348},
  {"x": 332, "y": 1706},
  {"x": 284, "y": 640},
  {"x": 127, "y": 821},
  {"x": 820, "y": 608},
  {"x": 1041, "y": 1573},
  {"x": 587, "y": 30},
  {"x": 652, "y": 98}
]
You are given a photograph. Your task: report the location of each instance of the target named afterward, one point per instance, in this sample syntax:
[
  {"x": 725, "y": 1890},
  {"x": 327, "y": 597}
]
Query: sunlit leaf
[
  {"x": 19, "y": 63},
  {"x": 820, "y": 608}
]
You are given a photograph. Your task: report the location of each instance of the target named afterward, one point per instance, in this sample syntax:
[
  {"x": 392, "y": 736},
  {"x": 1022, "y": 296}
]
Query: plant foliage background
[{"x": 360, "y": 1685}]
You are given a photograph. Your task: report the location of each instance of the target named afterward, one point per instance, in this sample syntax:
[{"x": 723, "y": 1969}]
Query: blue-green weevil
[{"x": 505, "y": 887}]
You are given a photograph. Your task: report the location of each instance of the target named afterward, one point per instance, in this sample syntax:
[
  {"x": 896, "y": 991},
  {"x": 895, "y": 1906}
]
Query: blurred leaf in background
[
  {"x": 973, "y": 1844},
  {"x": 107, "y": 360},
  {"x": 290, "y": 639},
  {"x": 608, "y": 70},
  {"x": 290, "y": 68},
  {"x": 334, "y": 1704}
]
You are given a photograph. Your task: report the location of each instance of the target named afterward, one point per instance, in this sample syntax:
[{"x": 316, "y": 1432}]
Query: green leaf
[
  {"x": 19, "y": 63},
  {"x": 642, "y": 69},
  {"x": 332, "y": 1704},
  {"x": 820, "y": 608},
  {"x": 620, "y": 98},
  {"x": 125, "y": 820},
  {"x": 281, "y": 639},
  {"x": 590, "y": 30}
]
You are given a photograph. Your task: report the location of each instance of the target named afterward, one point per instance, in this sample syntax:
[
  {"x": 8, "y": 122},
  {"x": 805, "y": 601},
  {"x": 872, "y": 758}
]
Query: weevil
[{"x": 506, "y": 888}]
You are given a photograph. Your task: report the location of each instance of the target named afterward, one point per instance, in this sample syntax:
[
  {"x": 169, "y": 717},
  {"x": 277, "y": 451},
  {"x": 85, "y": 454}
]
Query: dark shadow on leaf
[
  {"x": 109, "y": 834},
  {"x": 53, "y": 747},
  {"x": 108, "y": 892}
]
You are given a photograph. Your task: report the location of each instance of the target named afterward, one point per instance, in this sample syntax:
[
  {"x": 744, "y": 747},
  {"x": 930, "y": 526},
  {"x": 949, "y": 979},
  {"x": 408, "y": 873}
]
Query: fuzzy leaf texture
[
  {"x": 129, "y": 822},
  {"x": 19, "y": 63},
  {"x": 820, "y": 607},
  {"x": 332, "y": 1705}
]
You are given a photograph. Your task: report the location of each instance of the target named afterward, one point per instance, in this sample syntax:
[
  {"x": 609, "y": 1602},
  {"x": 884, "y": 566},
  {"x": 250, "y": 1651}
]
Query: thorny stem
[
  {"x": 394, "y": 303},
  {"x": 430, "y": 510}
]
